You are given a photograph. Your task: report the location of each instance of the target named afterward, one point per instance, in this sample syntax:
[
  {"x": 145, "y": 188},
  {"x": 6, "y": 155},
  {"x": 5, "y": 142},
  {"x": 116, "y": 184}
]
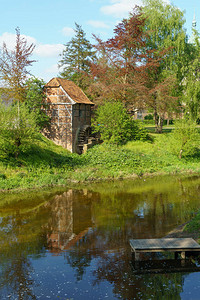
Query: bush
[
  {"x": 184, "y": 139},
  {"x": 115, "y": 125},
  {"x": 34, "y": 99},
  {"x": 17, "y": 129},
  {"x": 148, "y": 117}
]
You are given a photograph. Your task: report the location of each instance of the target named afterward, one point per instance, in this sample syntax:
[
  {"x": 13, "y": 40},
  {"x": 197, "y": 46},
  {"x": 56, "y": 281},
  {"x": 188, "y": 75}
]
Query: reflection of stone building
[
  {"x": 67, "y": 225},
  {"x": 70, "y": 113}
]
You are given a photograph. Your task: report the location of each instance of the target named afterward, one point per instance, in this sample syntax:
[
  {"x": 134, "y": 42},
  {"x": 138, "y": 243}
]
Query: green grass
[
  {"x": 194, "y": 224},
  {"x": 46, "y": 164}
]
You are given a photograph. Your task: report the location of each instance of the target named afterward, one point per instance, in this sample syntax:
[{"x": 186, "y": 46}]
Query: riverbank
[
  {"x": 45, "y": 164},
  {"x": 190, "y": 229}
]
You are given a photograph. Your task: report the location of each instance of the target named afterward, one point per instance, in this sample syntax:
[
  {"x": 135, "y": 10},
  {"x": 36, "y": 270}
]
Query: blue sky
[{"x": 49, "y": 24}]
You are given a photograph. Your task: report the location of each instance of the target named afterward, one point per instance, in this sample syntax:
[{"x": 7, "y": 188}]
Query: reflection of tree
[
  {"x": 118, "y": 217},
  {"x": 18, "y": 274},
  {"x": 23, "y": 236},
  {"x": 92, "y": 230},
  {"x": 130, "y": 286}
]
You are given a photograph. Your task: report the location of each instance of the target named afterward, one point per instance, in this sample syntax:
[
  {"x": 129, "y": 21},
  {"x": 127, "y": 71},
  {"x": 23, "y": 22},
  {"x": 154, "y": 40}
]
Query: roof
[{"x": 75, "y": 93}]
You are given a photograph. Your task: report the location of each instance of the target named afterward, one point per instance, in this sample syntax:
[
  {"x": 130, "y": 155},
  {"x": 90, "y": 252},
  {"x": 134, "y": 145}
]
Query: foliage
[
  {"x": 194, "y": 224},
  {"x": 168, "y": 42},
  {"x": 191, "y": 83},
  {"x": 35, "y": 100},
  {"x": 115, "y": 125},
  {"x": 17, "y": 129},
  {"x": 46, "y": 164},
  {"x": 148, "y": 117},
  {"x": 119, "y": 72},
  {"x": 76, "y": 57},
  {"x": 184, "y": 139},
  {"x": 165, "y": 26},
  {"x": 14, "y": 67},
  {"x": 138, "y": 66}
]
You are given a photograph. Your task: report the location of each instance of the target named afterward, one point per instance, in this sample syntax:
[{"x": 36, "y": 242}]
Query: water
[{"x": 73, "y": 243}]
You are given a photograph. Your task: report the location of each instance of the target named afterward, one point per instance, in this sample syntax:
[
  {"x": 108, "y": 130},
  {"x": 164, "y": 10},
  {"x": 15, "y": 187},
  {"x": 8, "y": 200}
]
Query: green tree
[
  {"x": 77, "y": 57},
  {"x": 115, "y": 125},
  {"x": 35, "y": 101},
  {"x": 191, "y": 82},
  {"x": 165, "y": 27},
  {"x": 17, "y": 129}
]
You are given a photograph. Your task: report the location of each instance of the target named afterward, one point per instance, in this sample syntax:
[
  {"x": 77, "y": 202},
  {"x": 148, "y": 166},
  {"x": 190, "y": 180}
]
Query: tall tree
[
  {"x": 77, "y": 57},
  {"x": 119, "y": 73},
  {"x": 164, "y": 24},
  {"x": 191, "y": 82},
  {"x": 14, "y": 67}
]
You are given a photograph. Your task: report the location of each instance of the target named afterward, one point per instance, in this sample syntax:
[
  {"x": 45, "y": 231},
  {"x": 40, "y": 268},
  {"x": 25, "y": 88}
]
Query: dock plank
[{"x": 164, "y": 244}]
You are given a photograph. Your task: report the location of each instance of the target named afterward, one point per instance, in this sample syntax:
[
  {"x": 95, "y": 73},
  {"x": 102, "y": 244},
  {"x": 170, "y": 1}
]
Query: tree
[
  {"x": 191, "y": 82},
  {"x": 164, "y": 25},
  {"x": 17, "y": 129},
  {"x": 115, "y": 125},
  {"x": 14, "y": 67},
  {"x": 128, "y": 69},
  {"x": 77, "y": 57},
  {"x": 119, "y": 73},
  {"x": 34, "y": 99}
]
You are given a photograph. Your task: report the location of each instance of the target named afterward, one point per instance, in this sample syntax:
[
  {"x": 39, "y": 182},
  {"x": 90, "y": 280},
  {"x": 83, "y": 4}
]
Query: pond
[{"x": 73, "y": 243}]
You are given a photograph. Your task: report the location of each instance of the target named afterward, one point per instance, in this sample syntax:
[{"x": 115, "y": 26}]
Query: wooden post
[
  {"x": 183, "y": 255},
  {"x": 137, "y": 256}
]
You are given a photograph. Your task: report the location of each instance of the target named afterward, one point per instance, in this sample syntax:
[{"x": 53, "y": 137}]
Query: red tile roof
[{"x": 75, "y": 93}]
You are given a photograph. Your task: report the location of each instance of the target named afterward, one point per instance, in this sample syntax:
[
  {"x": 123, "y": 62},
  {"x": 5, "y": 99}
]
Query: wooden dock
[{"x": 176, "y": 245}]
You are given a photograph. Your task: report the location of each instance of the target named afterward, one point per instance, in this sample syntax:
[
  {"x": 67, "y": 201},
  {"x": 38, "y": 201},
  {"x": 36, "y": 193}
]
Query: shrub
[
  {"x": 184, "y": 139},
  {"x": 17, "y": 129},
  {"x": 34, "y": 99},
  {"x": 115, "y": 125}
]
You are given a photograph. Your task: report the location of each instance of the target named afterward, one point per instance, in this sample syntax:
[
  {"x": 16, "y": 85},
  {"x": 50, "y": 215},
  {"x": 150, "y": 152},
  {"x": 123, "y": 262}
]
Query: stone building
[{"x": 70, "y": 112}]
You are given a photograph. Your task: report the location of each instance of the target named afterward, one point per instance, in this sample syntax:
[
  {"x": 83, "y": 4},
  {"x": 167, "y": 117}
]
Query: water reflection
[
  {"x": 67, "y": 223},
  {"x": 76, "y": 242}
]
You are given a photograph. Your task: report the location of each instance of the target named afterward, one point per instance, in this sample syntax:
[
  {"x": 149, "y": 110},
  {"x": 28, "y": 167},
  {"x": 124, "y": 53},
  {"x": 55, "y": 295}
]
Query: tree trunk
[
  {"x": 158, "y": 123},
  {"x": 180, "y": 154},
  {"x": 18, "y": 144}
]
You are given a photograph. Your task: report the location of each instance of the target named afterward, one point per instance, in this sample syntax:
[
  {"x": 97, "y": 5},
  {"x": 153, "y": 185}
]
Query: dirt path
[{"x": 179, "y": 232}]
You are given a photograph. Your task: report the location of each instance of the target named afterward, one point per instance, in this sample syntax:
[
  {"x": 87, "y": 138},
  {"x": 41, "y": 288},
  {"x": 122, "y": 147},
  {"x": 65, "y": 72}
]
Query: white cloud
[
  {"x": 43, "y": 50},
  {"x": 120, "y": 8},
  {"x": 98, "y": 24},
  {"x": 52, "y": 69},
  {"x": 48, "y": 50},
  {"x": 10, "y": 39},
  {"x": 68, "y": 31}
]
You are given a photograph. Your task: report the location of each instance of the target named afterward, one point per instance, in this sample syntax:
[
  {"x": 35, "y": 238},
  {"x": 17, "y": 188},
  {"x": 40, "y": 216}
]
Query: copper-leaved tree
[
  {"x": 14, "y": 66},
  {"x": 119, "y": 73}
]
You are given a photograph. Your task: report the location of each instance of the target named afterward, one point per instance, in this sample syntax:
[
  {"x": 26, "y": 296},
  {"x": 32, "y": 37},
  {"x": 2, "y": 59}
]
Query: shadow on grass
[
  {"x": 165, "y": 129},
  {"x": 38, "y": 157}
]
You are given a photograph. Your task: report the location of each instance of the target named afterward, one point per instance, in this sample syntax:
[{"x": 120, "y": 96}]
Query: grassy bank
[{"x": 45, "y": 164}]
